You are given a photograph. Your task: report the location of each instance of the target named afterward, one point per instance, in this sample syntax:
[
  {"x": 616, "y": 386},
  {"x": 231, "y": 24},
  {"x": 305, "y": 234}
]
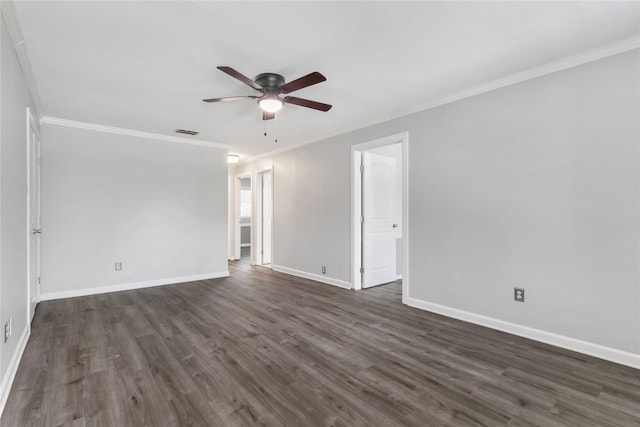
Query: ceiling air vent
[{"x": 186, "y": 131}]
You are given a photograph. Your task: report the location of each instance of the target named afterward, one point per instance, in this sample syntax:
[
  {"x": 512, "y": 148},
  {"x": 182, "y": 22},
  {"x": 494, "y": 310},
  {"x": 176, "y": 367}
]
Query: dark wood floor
[{"x": 263, "y": 348}]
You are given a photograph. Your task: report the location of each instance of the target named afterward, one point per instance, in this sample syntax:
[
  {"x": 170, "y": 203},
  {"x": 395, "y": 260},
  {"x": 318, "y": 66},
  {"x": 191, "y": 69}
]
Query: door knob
[
  {"x": 36, "y": 231},
  {"x": 395, "y": 225}
]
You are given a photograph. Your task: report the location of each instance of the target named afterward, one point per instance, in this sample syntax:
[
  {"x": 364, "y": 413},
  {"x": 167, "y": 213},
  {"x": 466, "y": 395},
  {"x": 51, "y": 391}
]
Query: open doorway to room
[
  {"x": 242, "y": 237},
  {"x": 379, "y": 206},
  {"x": 264, "y": 218}
]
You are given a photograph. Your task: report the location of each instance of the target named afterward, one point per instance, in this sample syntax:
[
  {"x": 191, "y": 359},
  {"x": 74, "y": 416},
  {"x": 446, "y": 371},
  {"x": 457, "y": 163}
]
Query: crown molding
[
  {"x": 15, "y": 32},
  {"x": 532, "y": 73},
  {"x": 121, "y": 131}
]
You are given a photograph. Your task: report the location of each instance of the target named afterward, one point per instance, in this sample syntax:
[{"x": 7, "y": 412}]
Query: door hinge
[
  {"x": 361, "y": 168},
  {"x": 38, "y": 280},
  {"x": 361, "y": 220},
  {"x": 361, "y": 270}
]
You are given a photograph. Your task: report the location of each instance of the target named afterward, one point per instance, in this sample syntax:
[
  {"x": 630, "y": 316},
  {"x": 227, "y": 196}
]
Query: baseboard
[
  {"x": 7, "y": 381},
  {"x": 245, "y": 245},
  {"x": 312, "y": 276},
  {"x": 399, "y": 277},
  {"x": 585, "y": 347},
  {"x": 130, "y": 286}
]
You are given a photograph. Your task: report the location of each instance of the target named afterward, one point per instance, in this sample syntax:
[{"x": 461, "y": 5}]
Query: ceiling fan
[{"x": 271, "y": 85}]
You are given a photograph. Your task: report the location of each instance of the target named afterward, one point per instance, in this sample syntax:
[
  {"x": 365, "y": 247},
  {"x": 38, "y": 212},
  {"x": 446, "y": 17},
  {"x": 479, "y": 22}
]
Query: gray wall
[
  {"x": 533, "y": 185},
  {"x": 158, "y": 207},
  {"x": 537, "y": 186},
  {"x": 13, "y": 203},
  {"x": 245, "y": 235}
]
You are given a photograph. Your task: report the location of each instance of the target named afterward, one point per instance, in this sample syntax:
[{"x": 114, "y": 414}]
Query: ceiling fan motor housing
[{"x": 270, "y": 80}]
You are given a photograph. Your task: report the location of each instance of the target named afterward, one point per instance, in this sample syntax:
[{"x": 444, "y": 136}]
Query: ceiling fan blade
[
  {"x": 236, "y": 75},
  {"x": 302, "y": 82},
  {"x": 268, "y": 116},
  {"x": 307, "y": 103},
  {"x": 230, "y": 98}
]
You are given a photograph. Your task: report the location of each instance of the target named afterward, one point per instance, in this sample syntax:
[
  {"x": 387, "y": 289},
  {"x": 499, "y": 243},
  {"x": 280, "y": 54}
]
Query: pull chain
[{"x": 276, "y": 132}]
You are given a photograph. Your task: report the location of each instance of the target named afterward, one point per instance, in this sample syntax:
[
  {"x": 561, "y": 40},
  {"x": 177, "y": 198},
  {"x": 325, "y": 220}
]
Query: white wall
[
  {"x": 533, "y": 185},
  {"x": 13, "y": 208},
  {"x": 158, "y": 207}
]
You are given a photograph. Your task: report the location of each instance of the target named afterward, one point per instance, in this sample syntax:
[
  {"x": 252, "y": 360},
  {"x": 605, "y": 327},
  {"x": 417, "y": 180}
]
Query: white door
[
  {"x": 267, "y": 214},
  {"x": 34, "y": 218},
  {"x": 379, "y": 230}
]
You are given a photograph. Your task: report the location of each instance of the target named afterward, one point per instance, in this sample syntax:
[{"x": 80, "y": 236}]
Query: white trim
[
  {"x": 12, "y": 369},
  {"x": 256, "y": 216},
  {"x": 129, "y": 132},
  {"x": 311, "y": 276},
  {"x": 19, "y": 45},
  {"x": 405, "y": 218},
  {"x": 30, "y": 188},
  {"x": 585, "y": 347},
  {"x": 28, "y": 219},
  {"x": 532, "y": 73},
  {"x": 356, "y": 213},
  {"x": 245, "y": 245},
  {"x": 1, "y": 314},
  {"x": 130, "y": 286}
]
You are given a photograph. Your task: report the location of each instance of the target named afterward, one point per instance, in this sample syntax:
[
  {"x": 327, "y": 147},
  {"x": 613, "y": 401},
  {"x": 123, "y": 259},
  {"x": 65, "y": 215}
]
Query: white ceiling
[{"x": 146, "y": 66}]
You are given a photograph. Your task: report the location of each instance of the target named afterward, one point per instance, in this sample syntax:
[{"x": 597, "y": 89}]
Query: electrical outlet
[
  {"x": 518, "y": 294},
  {"x": 118, "y": 266},
  {"x": 324, "y": 270}
]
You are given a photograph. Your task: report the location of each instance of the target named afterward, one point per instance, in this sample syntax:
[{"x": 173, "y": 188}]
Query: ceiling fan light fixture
[
  {"x": 233, "y": 158},
  {"x": 271, "y": 104}
]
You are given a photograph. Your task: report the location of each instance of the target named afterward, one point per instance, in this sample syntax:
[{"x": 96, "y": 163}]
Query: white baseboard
[
  {"x": 129, "y": 286},
  {"x": 245, "y": 245},
  {"x": 7, "y": 381},
  {"x": 399, "y": 277},
  {"x": 585, "y": 347},
  {"x": 312, "y": 276}
]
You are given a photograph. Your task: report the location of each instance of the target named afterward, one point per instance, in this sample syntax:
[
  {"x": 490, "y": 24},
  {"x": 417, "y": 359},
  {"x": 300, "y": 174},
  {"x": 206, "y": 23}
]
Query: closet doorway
[{"x": 244, "y": 207}]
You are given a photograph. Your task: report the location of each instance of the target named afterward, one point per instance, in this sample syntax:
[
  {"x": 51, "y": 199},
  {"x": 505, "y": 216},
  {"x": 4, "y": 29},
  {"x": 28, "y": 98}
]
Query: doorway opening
[
  {"x": 244, "y": 204},
  {"x": 380, "y": 212},
  {"x": 264, "y": 218}
]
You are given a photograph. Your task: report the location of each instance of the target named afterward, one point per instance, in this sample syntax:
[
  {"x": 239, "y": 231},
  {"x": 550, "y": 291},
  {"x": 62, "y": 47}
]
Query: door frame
[
  {"x": 31, "y": 122},
  {"x": 356, "y": 211},
  {"x": 236, "y": 225},
  {"x": 256, "y": 220}
]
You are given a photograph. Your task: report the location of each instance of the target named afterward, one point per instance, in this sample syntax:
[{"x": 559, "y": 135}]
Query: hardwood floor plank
[{"x": 264, "y": 348}]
